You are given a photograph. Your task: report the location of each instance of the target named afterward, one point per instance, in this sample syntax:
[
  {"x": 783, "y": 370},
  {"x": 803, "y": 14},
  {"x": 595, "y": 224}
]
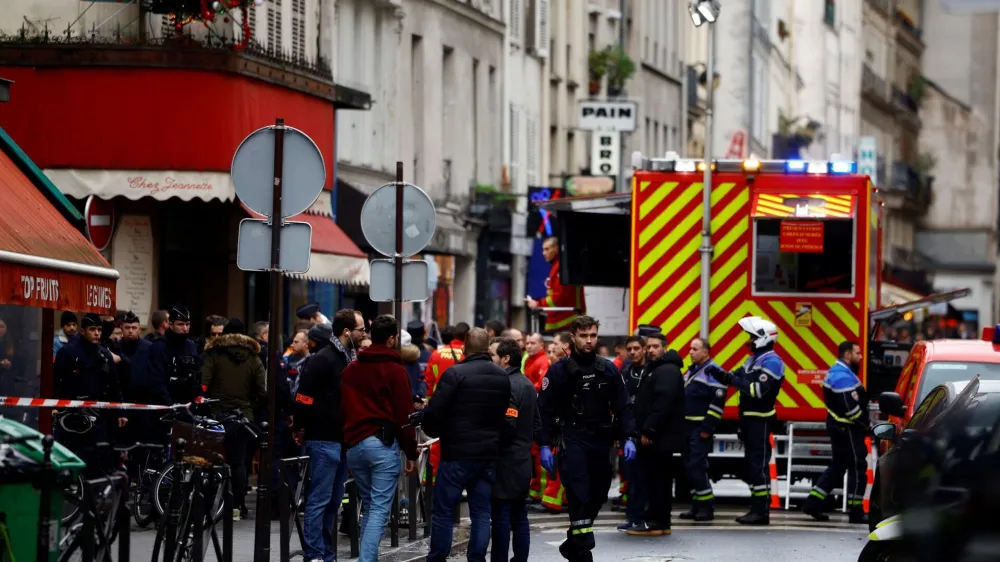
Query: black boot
[
  {"x": 703, "y": 515},
  {"x": 689, "y": 514},
  {"x": 754, "y": 518},
  {"x": 814, "y": 508},
  {"x": 857, "y": 516}
]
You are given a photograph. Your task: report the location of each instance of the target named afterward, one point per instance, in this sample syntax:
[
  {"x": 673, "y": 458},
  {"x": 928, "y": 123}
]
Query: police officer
[
  {"x": 182, "y": 365},
  {"x": 847, "y": 424},
  {"x": 704, "y": 400},
  {"x": 584, "y": 397},
  {"x": 759, "y": 381},
  {"x": 84, "y": 370}
]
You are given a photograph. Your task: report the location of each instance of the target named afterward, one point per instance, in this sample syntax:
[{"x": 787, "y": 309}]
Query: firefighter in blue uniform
[
  {"x": 847, "y": 425},
  {"x": 182, "y": 368},
  {"x": 704, "y": 400},
  {"x": 759, "y": 381},
  {"x": 584, "y": 398}
]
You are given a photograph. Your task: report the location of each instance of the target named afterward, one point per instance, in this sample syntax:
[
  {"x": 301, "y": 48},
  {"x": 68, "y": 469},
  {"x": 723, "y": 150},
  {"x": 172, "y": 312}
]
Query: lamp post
[{"x": 707, "y": 11}]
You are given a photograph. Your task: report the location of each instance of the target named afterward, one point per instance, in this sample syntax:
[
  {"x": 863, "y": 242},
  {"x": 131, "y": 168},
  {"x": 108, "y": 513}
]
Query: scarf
[{"x": 351, "y": 355}]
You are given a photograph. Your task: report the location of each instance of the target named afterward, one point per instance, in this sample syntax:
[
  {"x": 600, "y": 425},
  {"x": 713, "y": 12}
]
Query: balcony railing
[
  {"x": 883, "y": 6},
  {"x": 121, "y": 40},
  {"x": 915, "y": 187},
  {"x": 872, "y": 82},
  {"x": 905, "y": 100}
]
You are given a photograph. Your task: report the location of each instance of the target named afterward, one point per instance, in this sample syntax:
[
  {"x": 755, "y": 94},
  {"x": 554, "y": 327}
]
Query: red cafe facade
[
  {"x": 153, "y": 130},
  {"x": 46, "y": 265}
]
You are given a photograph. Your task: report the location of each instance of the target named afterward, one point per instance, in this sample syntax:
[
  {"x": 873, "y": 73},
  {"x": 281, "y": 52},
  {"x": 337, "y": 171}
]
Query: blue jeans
[
  {"x": 510, "y": 515},
  {"x": 376, "y": 469},
  {"x": 477, "y": 478},
  {"x": 327, "y": 476}
]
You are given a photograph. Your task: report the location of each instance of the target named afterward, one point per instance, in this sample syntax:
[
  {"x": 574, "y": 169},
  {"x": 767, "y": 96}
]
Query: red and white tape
[{"x": 94, "y": 404}]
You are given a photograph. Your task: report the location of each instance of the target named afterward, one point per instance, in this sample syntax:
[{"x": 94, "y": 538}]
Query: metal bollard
[
  {"x": 284, "y": 501},
  {"x": 227, "y": 520},
  {"x": 413, "y": 485},
  {"x": 89, "y": 525},
  {"x": 198, "y": 515},
  {"x": 353, "y": 529},
  {"x": 394, "y": 519},
  {"x": 124, "y": 523}
]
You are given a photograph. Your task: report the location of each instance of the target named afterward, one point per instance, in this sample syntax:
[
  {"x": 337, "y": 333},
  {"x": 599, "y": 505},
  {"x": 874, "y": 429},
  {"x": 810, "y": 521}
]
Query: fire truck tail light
[
  {"x": 795, "y": 166},
  {"x": 817, "y": 168}
]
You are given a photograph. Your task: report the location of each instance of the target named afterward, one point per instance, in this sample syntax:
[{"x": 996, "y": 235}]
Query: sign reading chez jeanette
[{"x": 136, "y": 184}]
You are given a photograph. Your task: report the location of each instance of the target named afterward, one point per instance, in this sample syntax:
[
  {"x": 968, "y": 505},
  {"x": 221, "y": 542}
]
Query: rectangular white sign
[
  {"x": 868, "y": 157},
  {"x": 605, "y": 154},
  {"x": 618, "y": 116}
]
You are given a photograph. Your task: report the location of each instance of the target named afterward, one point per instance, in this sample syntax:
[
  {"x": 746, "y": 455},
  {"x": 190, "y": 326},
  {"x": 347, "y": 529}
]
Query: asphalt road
[{"x": 791, "y": 537}]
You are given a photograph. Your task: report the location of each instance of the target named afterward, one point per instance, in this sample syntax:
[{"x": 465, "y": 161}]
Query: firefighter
[
  {"x": 557, "y": 295},
  {"x": 704, "y": 400},
  {"x": 584, "y": 398},
  {"x": 759, "y": 381},
  {"x": 847, "y": 424}
]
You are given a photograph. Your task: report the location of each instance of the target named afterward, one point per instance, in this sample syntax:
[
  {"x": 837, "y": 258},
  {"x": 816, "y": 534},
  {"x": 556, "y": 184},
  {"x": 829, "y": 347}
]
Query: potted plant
[
  {"x": 621, "y": 67},
  {"x": 597, "y": 65},
  {"x": 917, "y": 88}
]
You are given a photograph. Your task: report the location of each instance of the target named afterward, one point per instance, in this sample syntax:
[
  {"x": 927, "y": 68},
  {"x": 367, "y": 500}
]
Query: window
[
  {"x": 940, "y": 372},
  {"x": 830, "y": 13},
  {"x": 514, "y": 27},
  {"x": 928, "y": 409},
  {"x": 827, "y": 271},
  {"x": 759, "y": 96},
  {"x": 299, "y": 29},
  {"x": 274, "y": 26}
]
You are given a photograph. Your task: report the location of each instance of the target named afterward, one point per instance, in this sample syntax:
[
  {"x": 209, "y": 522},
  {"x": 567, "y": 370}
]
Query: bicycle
[
  {"x": 161, "y": 487},
  {"x": 104, "y": 506}
]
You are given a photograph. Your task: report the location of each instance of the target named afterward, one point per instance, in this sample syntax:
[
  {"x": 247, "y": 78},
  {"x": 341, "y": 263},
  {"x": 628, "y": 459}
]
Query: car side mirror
[
  {"x": 891, "y": 404},
  {"x": 884, "y": 431}
]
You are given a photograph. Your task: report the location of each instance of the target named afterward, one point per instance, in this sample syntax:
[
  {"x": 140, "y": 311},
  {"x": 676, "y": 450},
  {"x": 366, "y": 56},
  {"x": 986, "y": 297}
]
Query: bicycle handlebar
[{"x": 132, "y": 447}]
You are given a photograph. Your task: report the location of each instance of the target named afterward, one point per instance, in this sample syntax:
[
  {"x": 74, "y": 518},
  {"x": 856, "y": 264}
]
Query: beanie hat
[
  {"x": 320, "y": 333},
  {"x": 68, "y": 318},
  {"x": 235, "y": 326}
]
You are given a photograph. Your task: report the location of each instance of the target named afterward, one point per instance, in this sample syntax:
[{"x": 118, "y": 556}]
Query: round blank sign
[
  {"x": 303, "y": 172},
  {"x": 378, "y": 219}
]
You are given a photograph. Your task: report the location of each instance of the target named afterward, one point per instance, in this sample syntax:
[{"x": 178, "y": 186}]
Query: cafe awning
[{"x": 45, "y": 261}]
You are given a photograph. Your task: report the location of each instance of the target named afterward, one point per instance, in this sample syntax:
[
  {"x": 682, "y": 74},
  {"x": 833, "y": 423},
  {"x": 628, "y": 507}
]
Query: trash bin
[{"x": 19, "y": 499}]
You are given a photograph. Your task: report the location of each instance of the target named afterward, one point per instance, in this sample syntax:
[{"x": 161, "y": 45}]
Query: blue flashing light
[
  {"x": 842, "y": 167},
  {"x": 996, "y": 335},
  {"x": 795, "y": 166}
]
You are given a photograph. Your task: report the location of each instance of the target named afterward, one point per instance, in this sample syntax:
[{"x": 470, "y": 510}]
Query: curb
[{"x": 457, "y": 545}]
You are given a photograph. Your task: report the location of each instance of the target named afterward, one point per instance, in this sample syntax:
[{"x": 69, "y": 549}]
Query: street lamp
[{"x": 707, "y": 11}]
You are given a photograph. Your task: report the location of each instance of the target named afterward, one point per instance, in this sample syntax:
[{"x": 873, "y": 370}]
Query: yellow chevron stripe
[
  {"x": 800, "y": 358},
  {"x": 849, "y": 320},
  {"x": 731, "y": 293},
  {"x": 643, "y": 185},
  {"x": 807, "y": 335},
  {"x": 680, "y": 255},
  {"x": 672, "y": 239},
  {"x": 823, "y": 324},
  {"x": 655, "y": 198},
  {"x": 682, "y": 200}
]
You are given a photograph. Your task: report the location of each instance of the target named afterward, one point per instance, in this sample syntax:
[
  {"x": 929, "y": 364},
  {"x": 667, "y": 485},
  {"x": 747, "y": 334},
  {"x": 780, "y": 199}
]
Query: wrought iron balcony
[
  {"x": 883, "y": 6},
  {"x": 873, "y": 84},
  {"x": 909, "y": 181}
]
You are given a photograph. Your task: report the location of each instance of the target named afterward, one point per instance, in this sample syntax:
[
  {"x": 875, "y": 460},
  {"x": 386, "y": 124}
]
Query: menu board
[{"x": 132, "y": 256}]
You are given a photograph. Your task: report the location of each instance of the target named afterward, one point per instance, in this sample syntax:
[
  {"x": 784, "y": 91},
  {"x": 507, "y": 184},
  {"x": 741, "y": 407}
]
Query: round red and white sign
[{"x": 100, "y": 217}]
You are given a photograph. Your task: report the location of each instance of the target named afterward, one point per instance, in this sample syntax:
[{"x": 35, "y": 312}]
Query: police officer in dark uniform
[
  {"x": 759, "y": 381},
  {"x": 847, "y": 425},
  {"x": 146, "y": 381},
  {"x": 704, "y": 401},
  {"x": 84, "y": 370},
  {"x": 182, "y": 365},
  {"x": 584, "y": 397}
]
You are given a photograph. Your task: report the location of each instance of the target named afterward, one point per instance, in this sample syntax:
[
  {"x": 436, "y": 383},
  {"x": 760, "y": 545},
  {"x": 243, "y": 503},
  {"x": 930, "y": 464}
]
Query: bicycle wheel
[
  {"x": 72, "y": 500},
  {"x": 161, "y": 489}
]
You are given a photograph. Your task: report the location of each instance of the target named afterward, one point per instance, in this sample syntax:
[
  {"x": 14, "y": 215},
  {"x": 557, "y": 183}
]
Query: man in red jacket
[
  {"x": 535, "y": 364},
  {"x": 376, "y": 403},
  {"x": 557, "y": 294}
]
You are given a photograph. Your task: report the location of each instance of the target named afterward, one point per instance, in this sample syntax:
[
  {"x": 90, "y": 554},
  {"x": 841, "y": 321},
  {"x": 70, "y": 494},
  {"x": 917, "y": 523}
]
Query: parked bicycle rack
[
  {"x": 92, "y": 534},
  {"x": 292, "y": 472}
]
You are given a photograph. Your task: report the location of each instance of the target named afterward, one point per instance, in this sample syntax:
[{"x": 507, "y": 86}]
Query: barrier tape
[{"x": 21, "y": 402}]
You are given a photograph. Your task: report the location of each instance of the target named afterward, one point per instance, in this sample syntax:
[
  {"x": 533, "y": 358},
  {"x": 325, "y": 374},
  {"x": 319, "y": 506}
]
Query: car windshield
[{"x": 940, "y": 372}]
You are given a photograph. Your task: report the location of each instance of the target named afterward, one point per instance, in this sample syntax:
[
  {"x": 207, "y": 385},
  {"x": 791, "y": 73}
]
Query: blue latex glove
[
  {"x": 548, "y": 461},
  {"x": 629, "y": 450}
]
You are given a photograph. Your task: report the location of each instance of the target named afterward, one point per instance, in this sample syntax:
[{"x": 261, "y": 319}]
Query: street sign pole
[
  {"x": 262, "y": 542},
  {"x": 398, "y": 258}
]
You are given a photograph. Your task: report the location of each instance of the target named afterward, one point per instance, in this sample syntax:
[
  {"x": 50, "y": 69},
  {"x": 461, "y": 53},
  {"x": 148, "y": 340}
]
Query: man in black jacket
[
  {"x": 318, "y": 422},
  {"x": 510, "y": 509},
  {"x": 467, "y": 411},
  {"x": 659, "y": 415}
]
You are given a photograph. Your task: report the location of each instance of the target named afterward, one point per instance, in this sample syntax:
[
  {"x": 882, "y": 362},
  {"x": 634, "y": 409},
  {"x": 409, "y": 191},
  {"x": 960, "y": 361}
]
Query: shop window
[{"x": 804, "y": 256}]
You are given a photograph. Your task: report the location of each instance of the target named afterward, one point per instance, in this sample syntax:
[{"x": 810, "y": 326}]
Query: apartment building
[{"x": 960, "y": 114}]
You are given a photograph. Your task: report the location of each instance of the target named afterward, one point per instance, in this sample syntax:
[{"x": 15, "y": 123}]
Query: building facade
[
  {"x": 163, "y": 158},
  {"x": 960, "y": 113}
]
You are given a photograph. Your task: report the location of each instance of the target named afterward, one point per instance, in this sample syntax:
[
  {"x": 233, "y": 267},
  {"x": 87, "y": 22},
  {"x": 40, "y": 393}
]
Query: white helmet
[{"x": 764, "y": 331}]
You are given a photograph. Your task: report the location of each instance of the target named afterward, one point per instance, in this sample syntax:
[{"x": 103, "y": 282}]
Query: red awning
[
  {"x": 334, "y": 257},
  {"x": 44, "y": 260}
]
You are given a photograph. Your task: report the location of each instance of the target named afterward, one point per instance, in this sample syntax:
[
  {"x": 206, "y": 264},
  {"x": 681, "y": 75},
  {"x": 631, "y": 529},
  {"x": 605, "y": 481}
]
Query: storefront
[
  {"x": 46, "y": 265},
  {"x": 165, "y": 168}
]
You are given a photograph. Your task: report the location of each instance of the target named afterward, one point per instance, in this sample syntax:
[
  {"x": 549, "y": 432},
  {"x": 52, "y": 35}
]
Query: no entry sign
[{"x": 100, "y": 217}]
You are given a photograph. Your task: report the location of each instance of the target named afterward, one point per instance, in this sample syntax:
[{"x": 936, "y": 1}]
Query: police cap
[
  {"x": 91, "y": 319},
  {"x": 130, "y": 318},
  {"x": 179, "y": 313},
  {"x": 307, "y": 311}
]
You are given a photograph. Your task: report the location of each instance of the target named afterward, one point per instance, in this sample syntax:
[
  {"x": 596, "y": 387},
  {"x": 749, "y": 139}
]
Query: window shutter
[
  {"x": 531, "y": 156},
  {"x": 542, "y": 28},
  {"x": 515, "y": 20}
]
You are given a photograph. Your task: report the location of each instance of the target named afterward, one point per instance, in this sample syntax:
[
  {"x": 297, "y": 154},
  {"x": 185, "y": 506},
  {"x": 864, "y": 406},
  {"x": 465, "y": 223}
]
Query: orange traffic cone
[
  {"x": 869, "y": 474},
  {"x": 772, "y": 468}
]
